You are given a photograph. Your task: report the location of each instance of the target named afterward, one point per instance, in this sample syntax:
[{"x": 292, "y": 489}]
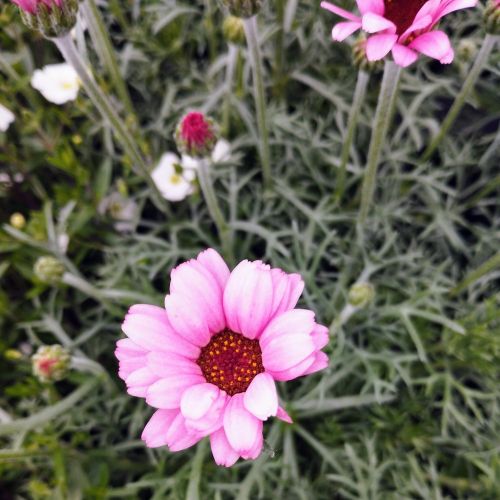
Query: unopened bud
[
  {"x": 48, "y": 270},
  {"x": 53, "y": 18},
  {"x": 361, "y": 294},
  {"x": 234, "y": 30},
  {"x": 243, "y": 8},
  {"x": 491, "y": 17},
  {"x": 51, "y": 362},
  {"x": 13, "y": 355},
  {"x": 196, "y": 135},
  {"x": 17, "y": 220},
  {"x": 466, "y": 50}
]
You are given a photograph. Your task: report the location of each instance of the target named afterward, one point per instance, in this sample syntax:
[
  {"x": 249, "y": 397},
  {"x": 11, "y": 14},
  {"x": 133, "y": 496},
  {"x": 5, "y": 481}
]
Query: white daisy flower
[
  {"x": 172, "y": 185},
  {"x": 58, "y": 83},
  {"x": 6, "y": 118},
  {"x": 121, "y": 209}
]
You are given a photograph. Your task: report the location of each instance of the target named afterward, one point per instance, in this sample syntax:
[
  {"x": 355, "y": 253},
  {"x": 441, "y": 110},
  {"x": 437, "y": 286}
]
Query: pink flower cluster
[
  {"x": 403, "y": 27},
  {"x": 31, "y": 6},
  {"x": 209, "y": 360}
]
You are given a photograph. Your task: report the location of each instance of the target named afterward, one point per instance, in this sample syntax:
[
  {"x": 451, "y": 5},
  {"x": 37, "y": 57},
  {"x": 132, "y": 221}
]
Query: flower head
[
  {"x": 58, "y": 83},
  {"x": 6, "y": 118},
  {"x": 209, "y": 360},
  {"x": 51, "y": 362},
  {"x": 172, "y": 181},
  {"x": 122, "y": 210},
  {"x": 49, "y": 270},
  {"x": 196, "y": 135},
  {"x": 53, "y": 18},
  {"x": 405, "y": 27}
]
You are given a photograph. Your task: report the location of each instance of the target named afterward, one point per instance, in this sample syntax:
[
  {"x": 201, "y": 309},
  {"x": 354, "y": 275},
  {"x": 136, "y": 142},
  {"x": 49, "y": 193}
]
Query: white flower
[
  {"x": 172, "y": 185},
  {"x": 220, "y": 154},
  {"x": 58, "y": 83},
  {"x": 122, "y": 210},
  {"x": 6, "y": 118}
]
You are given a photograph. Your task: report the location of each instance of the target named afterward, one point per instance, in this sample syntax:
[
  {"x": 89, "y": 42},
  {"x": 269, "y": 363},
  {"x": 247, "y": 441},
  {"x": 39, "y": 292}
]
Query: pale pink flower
[
  {"x": 31, "y": 6},
  {"x": 209, "y": 360},
  {"x": 405, "y": 27}
]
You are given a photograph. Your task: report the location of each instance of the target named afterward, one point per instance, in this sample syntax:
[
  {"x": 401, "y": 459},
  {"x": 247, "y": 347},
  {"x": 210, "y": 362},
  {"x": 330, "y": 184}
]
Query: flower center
[
  {"x": 231, "y": 361},
  {"x": 402, "y": 12},
  {"x": 195, "y": 129}
]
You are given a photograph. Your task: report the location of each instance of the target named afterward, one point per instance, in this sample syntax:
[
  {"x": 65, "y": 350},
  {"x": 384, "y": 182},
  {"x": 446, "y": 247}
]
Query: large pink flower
[
  {"x": 405, "y": 27},
  {"x": 31, "y": 6},
  {"x": 210, "y": 359}
]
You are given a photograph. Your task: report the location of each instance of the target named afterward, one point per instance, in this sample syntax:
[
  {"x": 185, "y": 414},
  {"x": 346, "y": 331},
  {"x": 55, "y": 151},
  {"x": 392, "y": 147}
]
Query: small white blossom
[
  {"x": 58, "y": 83},
  {"x": 172, "y": 185},
  {"x": 121, "y": 209},
  {"x": 6, "y": 118}
]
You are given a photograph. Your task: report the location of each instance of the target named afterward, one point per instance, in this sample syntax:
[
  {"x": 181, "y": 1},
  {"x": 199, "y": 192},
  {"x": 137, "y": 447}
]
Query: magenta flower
[
  {"x": 209, "y": 361},
  {"x": 405, "y": 27},
  {"x": 31, "y": 6}
]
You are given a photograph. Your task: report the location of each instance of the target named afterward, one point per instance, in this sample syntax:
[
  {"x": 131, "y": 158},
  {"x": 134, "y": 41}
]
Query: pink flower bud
[{"x": 196, "y": 135}]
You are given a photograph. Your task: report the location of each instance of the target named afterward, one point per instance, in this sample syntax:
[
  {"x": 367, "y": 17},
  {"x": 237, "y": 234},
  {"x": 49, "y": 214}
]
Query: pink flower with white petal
[
  {"x": 404, "y": 27},
  {"x": 209, "y": 360}
]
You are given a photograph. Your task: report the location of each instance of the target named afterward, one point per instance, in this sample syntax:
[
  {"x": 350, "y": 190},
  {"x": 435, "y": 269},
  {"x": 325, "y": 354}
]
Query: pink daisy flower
[
  {"x": 405, "y": 27},
  {"x": 209, "y": 360}
]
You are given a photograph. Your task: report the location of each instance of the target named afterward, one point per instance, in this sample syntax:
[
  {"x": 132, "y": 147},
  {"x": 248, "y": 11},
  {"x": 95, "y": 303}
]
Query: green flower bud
[
  {"x": 243, "y": 8},
  {"x": 359, "y": 57},
  {"x": 53, "y": 20},
  {"x": 51, "y": 362},
  {"x": 17, "y": 220},
  {"x": 48, "y": 270},
  {"x": 233, "y": 30},
  {"x": 361, "y": 294},
  {"x": 491, "y": 17},
  {"x": 466, "y": 50}
]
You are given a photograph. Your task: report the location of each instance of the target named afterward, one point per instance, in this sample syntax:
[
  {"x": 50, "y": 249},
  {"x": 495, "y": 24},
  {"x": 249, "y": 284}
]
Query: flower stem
[
  {"x": 470, "y": 81},
  {"x": 208, "y": 191},
  {"x": 259, "y": 96},
  {"x": 193, "y": 490},
  {"x": 104, "y": 48},
  {"x": 474, "y": 276},
  {"x": 383, "y": 114},
  {"x": 105, "y": 107},
  {"x": 232, "y": 57},
  {"x": 358, "y": 99}
]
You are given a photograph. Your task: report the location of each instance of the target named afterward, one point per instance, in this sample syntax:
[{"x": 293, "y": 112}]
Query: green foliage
[{"x": 409, "y": 407}]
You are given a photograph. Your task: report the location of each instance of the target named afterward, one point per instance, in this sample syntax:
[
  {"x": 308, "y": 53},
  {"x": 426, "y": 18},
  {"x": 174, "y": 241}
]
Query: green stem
[
  {"x": 104, "y": 48},
  {"x": 489, "y": 266},
  {"x": 232, "y": 57},
  {"x": 479, "y": 63},
  {"x": 105, "y": 107},
  {"x": 359, "y": 97},
  {"x": 50, "y": 413},
  {"x": 383, "y": 114},
  {"x": 214, "y": 209},
  {"x": 280, "y": 46},
  {"x": 259, "y": 96},
  {"x": 193, "y": 491}
]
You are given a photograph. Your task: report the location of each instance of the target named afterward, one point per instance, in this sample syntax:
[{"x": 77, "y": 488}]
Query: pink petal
[
  {"x": 296, "y": 321},
  {"x": 241, "y": 427},
  {"x": 152, "y": 331},
  {"x": 126, "y": 348},
  {"x": 434, "y": 44},
  {"x": 248, "y": 298},
  {"x": 129, "y": 365},
  {"x": 342, "y": 30},
  {"x": 139, "y": 391},
  {"x": 286, "y": 351},
  {"x": 287, "y": 289},
  {"x": 403, "y": 56},
  {"x": 378, "y": 46},
  {"x": 155, "y": 432},
  {"x": 221, "y": 449},
  {"x": 294, "y": 371},
  {"x": 261, "y": 398},
  {"x": 188, "y": 319},
  {"x": 340, "y": 12},
  {"x": 417, "y": 25},
  {"x": 320, "y": 363},
  {"x": 448, "y": 7},
  {"x": 256, "y": 449},
  {"x": 375, "y": 6},
  {"x": 373, "y": 23},
  {"x": 199, "y": 286},
  {"x": 165, "y": 364},
  {"x": 142, "y": 376},
  {"x": 197, "y": 400},
  {"x": 448, "y": 57},
  {"x": 320, "y": 336},
  {"x": 166, "y": 393},
  {"x": 283, "y": 415},
  {"x": 179, "y": 437},
  {"x": 215, "y": 265}
]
